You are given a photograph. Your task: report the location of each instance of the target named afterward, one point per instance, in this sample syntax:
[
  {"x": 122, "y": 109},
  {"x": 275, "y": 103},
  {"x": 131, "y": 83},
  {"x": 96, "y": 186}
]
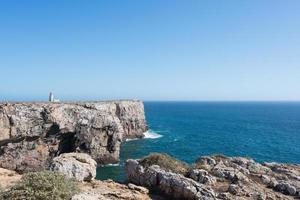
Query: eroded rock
[
  {"x": 202, "y": 176},
  {"x": 222, "y": 178},
  {"x": 170, "y": 184},
  {"x": 32, "y": 134},
  {"x": 79, "y": 166}
]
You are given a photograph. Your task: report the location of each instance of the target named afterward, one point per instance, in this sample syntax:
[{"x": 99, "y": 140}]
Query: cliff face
[{"x": 31, "y": 134}]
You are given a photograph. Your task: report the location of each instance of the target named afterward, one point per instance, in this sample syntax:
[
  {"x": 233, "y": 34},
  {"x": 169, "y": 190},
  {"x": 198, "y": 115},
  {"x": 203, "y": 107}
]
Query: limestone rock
[
  {"x": 32, "y": 134},
  {"x": 109, "y": 190},
  {"x": 79, "y": 166},
  {"x": 170, "y": 184},
  {"x": 206, "y": 160},
  {"x": 202, "y": 176},
  {"x": 88, "y": 196},
  {"x": 230, "y": 173},
  {"x": 286, "y": 188},
  {"x": 233, "y": 189},
  {"x": 224, "y": 178}
]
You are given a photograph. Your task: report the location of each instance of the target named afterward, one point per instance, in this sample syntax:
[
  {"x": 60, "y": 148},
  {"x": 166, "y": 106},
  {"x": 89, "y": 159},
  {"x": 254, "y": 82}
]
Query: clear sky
[{"x": 150, "y": 49}]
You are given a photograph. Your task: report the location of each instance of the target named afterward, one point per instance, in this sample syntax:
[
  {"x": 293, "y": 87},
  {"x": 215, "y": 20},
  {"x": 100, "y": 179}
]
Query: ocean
[{"x": 264, "y": 131}]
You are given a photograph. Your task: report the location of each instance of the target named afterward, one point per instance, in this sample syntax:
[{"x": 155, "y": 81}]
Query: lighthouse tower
[{"x": 51, "y": 97}]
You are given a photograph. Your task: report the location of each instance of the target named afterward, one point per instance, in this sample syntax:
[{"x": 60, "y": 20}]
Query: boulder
[
  {"x": 79, "y": 166},
  {"x": 233, "y": 189},
  {"x": 286, "y": 188}
]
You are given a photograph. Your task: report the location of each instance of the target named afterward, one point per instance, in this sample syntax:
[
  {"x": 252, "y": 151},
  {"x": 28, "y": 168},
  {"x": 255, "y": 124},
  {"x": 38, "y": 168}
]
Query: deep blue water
[{"x": 265, "y": 131}]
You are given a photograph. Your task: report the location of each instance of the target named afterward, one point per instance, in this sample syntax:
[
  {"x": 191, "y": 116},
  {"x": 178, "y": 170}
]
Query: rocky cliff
[
  {"x": 216, "y": 178},
  {"x": 31, "y": 134}
]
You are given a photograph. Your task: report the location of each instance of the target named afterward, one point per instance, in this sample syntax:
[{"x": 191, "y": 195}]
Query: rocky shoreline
[
  {"x": 32, "y": 134},
  {"x": 161, "y": 177},
  {"x": 216, "y": 177}
]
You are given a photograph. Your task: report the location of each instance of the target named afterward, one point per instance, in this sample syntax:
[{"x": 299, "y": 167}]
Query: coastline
[
  {"x": 161, "y": 177},
  {"x": 32, "y": 134},
  {"x": 148, "y": 141}
]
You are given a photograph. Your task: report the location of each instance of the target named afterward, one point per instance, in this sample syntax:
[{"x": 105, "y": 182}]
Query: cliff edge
[{"x": 32, "y": 134}]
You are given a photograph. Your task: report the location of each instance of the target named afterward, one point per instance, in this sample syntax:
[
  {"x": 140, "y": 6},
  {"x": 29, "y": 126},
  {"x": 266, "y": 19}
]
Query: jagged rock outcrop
[
  {"x": 219, "y": 177},
  {"x": 79, "y": 166},
  {"x": 32, "y": 134},
  {"x": 168, "y": 183}
]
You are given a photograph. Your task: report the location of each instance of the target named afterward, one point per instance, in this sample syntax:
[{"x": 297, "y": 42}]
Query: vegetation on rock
[
  {"x": 166, "y": 162},
  {"x": 43, "y": 185}
]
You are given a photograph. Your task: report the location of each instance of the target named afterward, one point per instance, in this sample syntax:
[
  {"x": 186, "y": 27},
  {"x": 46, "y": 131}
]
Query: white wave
[
  {"x": 151, "y": 135},
  {"x": 111, "y": 165},
  {"x": 131, "y": 139}
]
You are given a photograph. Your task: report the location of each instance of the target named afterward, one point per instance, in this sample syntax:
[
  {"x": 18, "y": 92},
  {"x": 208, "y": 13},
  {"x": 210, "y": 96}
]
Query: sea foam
[
  {"x": 111, "y": 165},
  {"x": 151, "y": 135},
  {"x": 131, "y": 139}
]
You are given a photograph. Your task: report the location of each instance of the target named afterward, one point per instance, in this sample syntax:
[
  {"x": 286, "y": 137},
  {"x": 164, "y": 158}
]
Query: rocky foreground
[
  {"x": 160, "y": 177},
  {"x": 79, "y": 168},
  {"x": 32, "y": 134},
  {"x": 216, "y": 177},
  {"x": 88, "y": 190}
]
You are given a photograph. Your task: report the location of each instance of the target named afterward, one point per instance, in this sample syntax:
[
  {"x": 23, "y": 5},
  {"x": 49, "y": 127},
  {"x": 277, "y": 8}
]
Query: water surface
[{"x": 265, "y": 131}]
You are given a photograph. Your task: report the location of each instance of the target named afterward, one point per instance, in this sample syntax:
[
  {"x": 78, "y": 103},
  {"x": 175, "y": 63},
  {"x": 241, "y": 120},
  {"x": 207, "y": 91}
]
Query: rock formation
[
  {"x": 220, "y": 177},
  {"x": 79, "y": 166},
  {"x": 109, "y": 190},
  {"x": 32, "y": 134},
  {"x": 168, "y": 183}
]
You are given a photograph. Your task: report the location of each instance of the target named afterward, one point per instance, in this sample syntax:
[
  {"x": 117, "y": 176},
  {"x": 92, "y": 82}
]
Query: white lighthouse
[{"x": 51, "y": 97}]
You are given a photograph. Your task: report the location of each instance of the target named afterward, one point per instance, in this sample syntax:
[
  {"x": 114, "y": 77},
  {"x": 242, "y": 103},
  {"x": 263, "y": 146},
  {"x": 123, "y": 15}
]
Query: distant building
[{"x": 51, "y": 97}]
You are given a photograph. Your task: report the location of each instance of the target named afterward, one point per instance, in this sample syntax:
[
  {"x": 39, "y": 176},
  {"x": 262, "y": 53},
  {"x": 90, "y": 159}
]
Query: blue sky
[{"x": 150, "y": 49}]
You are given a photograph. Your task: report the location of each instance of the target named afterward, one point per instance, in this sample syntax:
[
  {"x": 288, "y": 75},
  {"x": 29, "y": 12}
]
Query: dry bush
[
  {"x": 166, "y": 162},
  {"x": 43, "y": 185}
]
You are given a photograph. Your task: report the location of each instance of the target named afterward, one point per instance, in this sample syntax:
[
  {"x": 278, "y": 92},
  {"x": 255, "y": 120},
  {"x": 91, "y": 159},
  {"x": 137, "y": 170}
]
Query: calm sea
[{"x": 265, "y": 131}]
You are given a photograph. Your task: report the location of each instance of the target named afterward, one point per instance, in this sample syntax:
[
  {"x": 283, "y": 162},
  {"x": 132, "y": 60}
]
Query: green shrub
[
  {"x": 43, "y": 185},
  {"x": 166, "y": 162}
]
